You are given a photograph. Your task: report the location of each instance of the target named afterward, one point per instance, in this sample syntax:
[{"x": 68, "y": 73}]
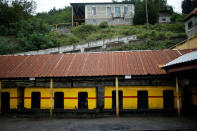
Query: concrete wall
[
  {"x": 167, "y": 19},
  {"x": 191, "y": 31},
  {"x": 102, "y": 15},
  {"x": 89, "y": 46}
]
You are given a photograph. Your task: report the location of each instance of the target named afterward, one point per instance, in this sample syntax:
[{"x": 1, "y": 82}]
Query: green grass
[{"x": 158, "y": 36}]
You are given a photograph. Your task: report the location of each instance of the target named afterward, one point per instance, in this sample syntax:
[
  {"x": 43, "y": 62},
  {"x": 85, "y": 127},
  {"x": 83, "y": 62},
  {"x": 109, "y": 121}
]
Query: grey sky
[{"x": 46, "y": 5}]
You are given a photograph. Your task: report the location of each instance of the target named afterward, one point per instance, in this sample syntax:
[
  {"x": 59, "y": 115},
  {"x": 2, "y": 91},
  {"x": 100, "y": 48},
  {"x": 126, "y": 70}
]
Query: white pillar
[{"x": 177, "y": 96}]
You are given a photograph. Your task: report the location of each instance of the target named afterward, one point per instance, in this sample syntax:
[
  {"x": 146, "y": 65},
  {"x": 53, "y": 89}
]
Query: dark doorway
[
  {"x": 59, "y": 100},
  {"x": 78, "y": 14},
  {"x": 35, "y": 100},
  {"x": 83, "y": 100},
  {"x": 5, "y": 101},
  {"x": 142, "y": 100},
  {"x": 168, "y": 100},
  {"x": 120, "y": 95},
  {"x": 187, "y": 99}
]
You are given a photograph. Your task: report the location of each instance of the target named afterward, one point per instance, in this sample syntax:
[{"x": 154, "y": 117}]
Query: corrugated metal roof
[
  {"x": 183, "y": 59},
  {"x": 96, "y": 3},
  {"x": 87, "y": 64}
]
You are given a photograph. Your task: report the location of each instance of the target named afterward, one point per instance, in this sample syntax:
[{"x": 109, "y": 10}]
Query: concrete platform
[{"x": 123, "y": 123}]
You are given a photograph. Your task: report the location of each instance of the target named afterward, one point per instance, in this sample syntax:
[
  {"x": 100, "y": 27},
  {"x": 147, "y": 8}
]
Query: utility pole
[{"x": 147, "y": 26}]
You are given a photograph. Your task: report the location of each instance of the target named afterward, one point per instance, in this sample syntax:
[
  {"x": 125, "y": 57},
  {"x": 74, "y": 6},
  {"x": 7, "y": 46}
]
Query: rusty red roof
[{"x": 146, "y": 62}]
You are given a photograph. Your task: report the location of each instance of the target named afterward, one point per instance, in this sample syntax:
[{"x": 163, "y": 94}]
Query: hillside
[
  {"x": 20, "y": 31},
  {"x": 158, "y": 37}
]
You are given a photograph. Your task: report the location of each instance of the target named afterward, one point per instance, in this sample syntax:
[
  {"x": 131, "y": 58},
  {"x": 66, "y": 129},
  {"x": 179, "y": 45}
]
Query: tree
[
  {"x": 188, "y": 6},
  {"x": 154, "y": 6},
  {"x": 12, "y": 13},
  {"x": 33, "y": 34},
  {"x": 55, "y": 16},
  {"x": 140, "y": 12}
]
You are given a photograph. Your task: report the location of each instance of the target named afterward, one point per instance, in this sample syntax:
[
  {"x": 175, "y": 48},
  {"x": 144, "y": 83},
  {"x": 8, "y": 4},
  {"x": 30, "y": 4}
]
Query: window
[
  {"x": 125, "y": 10},
  {"x": 93, "y": 10},
  {"x": 163, "y": 19},
  {"x": 117, "y": 12},
  {"x": 108, "y": 10},
  {"x": 190, "y": 25}
]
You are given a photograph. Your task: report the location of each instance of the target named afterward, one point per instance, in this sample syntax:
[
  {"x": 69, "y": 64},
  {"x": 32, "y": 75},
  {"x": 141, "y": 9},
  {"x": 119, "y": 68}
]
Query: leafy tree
[
  {"x": 12, "y": 13},
  {"x": 154, "y": 7},
  {"x": 176, "y": 17},
  {"x": 188, "y": 6},
  {"x": 140, "y": 12},
  {"x": 55, "y": 16},
  {"x": 33, "y": 34}
]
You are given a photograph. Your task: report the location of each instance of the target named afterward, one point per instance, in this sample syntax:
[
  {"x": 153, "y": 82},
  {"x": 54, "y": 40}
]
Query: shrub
[
  {"x": 103, "y": 24},
  {"x": 169, "y": 35},
  {"x": 73, "y": 40},
  {"x": 3, "y": 30},
  {"x": 83, "y": 31}
]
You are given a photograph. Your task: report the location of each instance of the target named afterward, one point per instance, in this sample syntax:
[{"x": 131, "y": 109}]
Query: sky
[{"x": 46, "y": 5}]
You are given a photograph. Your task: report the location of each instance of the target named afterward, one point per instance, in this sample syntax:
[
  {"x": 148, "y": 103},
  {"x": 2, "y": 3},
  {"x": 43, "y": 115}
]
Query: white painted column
[{"x": 177, "y": 96}]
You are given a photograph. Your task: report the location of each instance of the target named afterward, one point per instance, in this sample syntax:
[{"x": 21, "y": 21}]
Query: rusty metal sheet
[{"x": 88, "y": 64}]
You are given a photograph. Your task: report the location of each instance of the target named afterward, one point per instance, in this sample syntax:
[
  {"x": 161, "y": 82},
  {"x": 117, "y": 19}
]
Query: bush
[
  {"x": 3, "y": 30},
  {"x": 169, "y": 35},
  {"x": 83, "y": 31},
  {"x": 34, "y": 35},
  {"x": 73, "y": 40},
  {"x": 103, "y": 24}
]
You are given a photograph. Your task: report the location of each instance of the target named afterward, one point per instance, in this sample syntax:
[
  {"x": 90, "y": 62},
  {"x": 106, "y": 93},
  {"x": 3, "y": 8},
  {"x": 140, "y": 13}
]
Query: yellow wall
[
  {"x": 194, "y": 95},
  {"x": 14, "y": 97},
  {"x": 189, "y": 44},
  {"x": 155, "y": 93},
  {"x": 70, "y": 97}
]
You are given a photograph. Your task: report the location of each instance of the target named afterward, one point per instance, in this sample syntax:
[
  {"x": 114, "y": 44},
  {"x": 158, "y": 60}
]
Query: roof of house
[
  {"x": 183, "y": 63},
  {"x": 146, "y": 62},
  {"x": 183, "y": 59},
  {"x": 193, "y": 13},
  {"x": 82, "y": 4}
]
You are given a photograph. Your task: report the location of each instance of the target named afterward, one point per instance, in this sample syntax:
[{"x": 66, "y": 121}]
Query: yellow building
[
  {"x": 190, "y": 43},
  {"x": 98, "y": 82}
]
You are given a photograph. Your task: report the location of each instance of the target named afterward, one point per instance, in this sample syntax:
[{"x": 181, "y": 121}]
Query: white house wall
[{"x": 101, "y": 14}]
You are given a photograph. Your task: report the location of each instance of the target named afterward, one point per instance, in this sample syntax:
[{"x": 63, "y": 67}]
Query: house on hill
[
  {"x": 191, "y": 23},
  {"x": 191, "y": 32},
  {"x": 164, "y": 17},
  {"x": 95, "y": 13}
]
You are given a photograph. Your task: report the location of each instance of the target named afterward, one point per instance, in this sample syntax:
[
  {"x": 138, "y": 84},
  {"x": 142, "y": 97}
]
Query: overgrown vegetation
[
  {"x": 55, "y": 16},
  {"x": 21, "y": 31}
]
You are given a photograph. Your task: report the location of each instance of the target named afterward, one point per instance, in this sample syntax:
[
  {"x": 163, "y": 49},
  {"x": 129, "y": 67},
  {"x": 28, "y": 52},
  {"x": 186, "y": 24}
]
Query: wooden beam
[
  {"x": 177, "y": 96},
  {"x": 51, "y": 97},
  {"x": 0, "y": 94},
  {"x": 72, "y": 17},
  {"x": 117, "y": 98}
]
